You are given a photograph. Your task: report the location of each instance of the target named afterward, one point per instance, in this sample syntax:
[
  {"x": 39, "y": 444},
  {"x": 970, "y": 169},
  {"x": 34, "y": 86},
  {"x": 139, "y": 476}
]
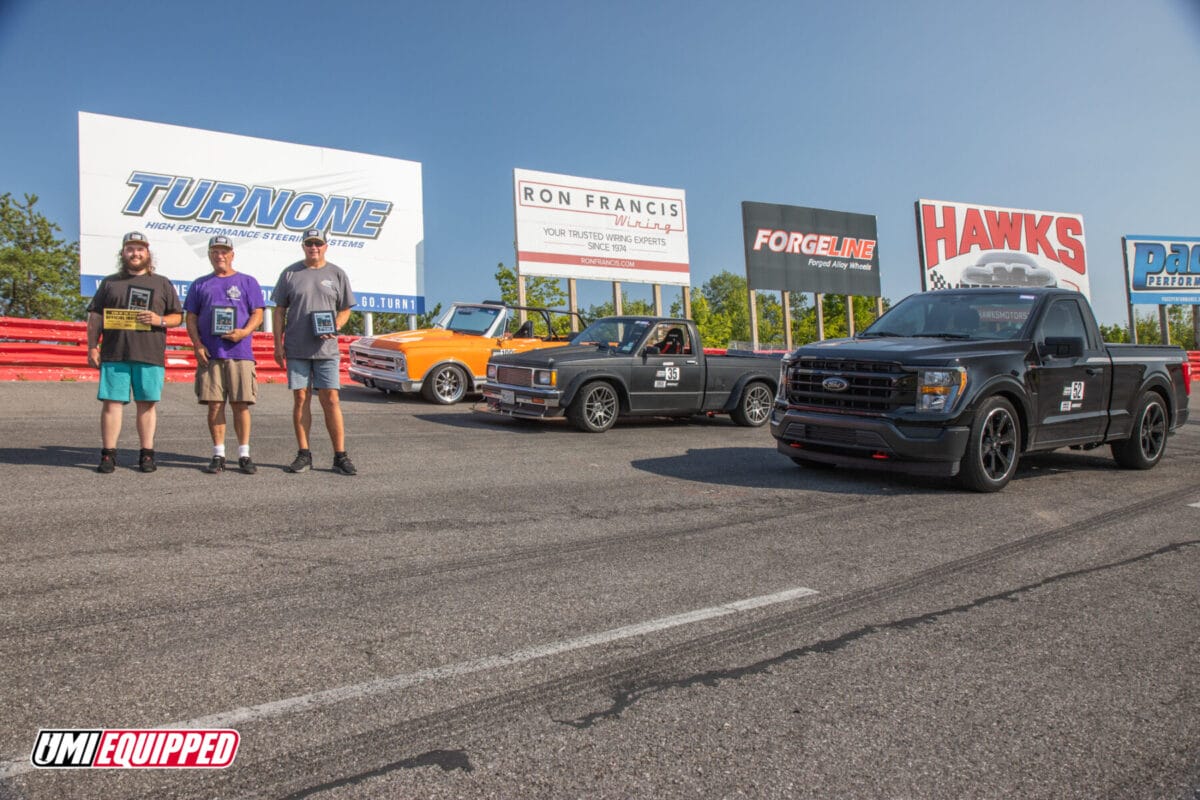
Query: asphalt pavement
[{"x": 498, "y": 608}]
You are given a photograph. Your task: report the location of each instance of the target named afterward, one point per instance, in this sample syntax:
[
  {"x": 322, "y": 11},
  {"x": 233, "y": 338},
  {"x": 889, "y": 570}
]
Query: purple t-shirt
[{"x": 238, "y": 291}]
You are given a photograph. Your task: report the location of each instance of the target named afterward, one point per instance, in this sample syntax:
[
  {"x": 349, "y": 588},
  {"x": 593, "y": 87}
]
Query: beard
[{"x": 124, "y": 267}]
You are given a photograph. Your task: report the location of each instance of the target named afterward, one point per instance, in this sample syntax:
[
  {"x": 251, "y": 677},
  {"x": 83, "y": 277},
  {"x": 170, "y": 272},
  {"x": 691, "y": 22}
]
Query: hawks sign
[{"x": 968, "y": 245}]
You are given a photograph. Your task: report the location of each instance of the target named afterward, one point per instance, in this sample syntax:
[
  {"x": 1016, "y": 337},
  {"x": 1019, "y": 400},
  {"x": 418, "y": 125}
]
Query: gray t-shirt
[{"x": 302, "y": 291}]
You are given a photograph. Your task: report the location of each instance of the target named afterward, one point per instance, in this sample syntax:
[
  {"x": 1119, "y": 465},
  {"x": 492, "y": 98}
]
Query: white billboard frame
[
  {"x": 590, "y": 229},
  {"x": 181, "y": 186}
]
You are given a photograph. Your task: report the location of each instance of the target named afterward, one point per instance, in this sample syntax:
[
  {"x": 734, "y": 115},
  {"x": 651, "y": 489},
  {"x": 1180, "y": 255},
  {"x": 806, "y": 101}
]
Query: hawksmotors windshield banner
[
  {"x": 964, "y": 245},
  {"x": 181, "y": 186},
  {"x": 569, "y": 227}
]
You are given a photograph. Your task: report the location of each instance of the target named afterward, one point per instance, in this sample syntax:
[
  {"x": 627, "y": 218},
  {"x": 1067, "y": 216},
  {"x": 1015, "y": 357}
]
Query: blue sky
[{"x": 865, "y": 106}]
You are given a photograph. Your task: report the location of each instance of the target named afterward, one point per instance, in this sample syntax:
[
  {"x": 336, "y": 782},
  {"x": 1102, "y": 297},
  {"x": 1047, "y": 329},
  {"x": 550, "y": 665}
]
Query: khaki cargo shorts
[{"x": 229, "y": 379}]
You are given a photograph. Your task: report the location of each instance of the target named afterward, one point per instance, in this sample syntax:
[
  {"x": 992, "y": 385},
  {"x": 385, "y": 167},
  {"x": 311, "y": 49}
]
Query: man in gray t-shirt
[{"x": 312, "y": 302}]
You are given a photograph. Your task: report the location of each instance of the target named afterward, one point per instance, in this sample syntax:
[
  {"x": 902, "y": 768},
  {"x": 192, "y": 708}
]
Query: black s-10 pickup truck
[
  {"x": 646, "y": 366},
  {"x": 963, "y": 382}
]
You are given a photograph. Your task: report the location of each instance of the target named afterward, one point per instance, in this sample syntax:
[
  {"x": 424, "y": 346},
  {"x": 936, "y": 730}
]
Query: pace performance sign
[
  {"x": 969, "y": 245},
  {"x": 182, "y": 185},
  {"x": 569, "y": 227},
  {"x": 1163, "y": 270},
  {"x": 792, "y": 248}
]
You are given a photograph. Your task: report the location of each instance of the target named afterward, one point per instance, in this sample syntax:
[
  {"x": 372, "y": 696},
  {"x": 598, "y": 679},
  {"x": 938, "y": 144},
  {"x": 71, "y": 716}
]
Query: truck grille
[
  {"x": 872, "y": 386},
  {"x": 372, "y": 360},
  {"x": 514, "y": 376}
]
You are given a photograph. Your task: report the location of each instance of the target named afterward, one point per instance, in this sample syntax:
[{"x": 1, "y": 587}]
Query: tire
[
  {"x": 595, "y": 408},
  {"x": 445, "y": 385},
  {"x": 754, "y": 408},
  {"x": 994, "y": 447},
  {"x": 1148, "y": 439}
]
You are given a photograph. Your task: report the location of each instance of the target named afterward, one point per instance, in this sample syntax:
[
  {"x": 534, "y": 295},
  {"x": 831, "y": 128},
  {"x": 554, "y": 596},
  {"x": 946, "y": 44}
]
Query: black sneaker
[
  {"x": 303, "y": 463},
  {"x": 344, "y": 465},
  {"x": 216, "y": 465},
  {"x": 246, "y": 465},
  {"x": 146, "y": 461},
  {"x": 108, "y": 462}
]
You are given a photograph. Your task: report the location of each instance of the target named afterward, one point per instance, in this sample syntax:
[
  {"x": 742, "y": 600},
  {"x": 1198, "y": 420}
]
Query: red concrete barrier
[{"x": 53, "y": 350}]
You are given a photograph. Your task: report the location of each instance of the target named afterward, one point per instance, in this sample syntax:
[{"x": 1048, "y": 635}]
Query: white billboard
[
  {"x": 182, "y": 185},
  {"x": 1162, "y": 270},
  {"x": 569, "y": 227},
  {"x": 970, "y": 245}
]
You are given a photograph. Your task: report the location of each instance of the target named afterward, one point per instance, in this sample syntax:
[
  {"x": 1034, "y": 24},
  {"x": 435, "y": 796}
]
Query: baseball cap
[
  {"x": 136, "y": 237},
  {"x": 220, "y": 241},
  {"x": 314, "y": 233}
]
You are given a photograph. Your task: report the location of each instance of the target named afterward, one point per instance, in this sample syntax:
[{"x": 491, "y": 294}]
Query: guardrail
[{"x": 52, "y": 350}]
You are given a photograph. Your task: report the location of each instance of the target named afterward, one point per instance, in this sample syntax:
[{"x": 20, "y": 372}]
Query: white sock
[
  {"x": 219, "y": 450},
  {"x": 243, "y": 451}
]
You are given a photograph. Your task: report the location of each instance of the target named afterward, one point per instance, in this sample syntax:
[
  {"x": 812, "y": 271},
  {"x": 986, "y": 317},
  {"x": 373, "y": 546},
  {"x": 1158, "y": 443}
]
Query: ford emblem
[{"x": 835, "y": 384}]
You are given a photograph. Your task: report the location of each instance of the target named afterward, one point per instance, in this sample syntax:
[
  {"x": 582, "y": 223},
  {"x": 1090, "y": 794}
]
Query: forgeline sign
[
  {"x": 1163, "y": 270},
  {"x": 970, "y": 245},
  {"x": 570, "y": 227},
  {"x": 182, "y": 185},
  {"x": 801, "y": 249}
]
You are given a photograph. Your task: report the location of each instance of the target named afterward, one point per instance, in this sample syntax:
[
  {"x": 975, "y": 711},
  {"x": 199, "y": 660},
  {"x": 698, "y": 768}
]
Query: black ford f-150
[
  {"x": 647, "y": 366},
  {"x": 963, "y": 382}
]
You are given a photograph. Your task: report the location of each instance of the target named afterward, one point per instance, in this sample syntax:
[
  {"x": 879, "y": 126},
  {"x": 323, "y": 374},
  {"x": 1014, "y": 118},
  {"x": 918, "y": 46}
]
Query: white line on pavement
[
  {"x": 380, "y": 685},
  {"x": 358, "y": 691}
]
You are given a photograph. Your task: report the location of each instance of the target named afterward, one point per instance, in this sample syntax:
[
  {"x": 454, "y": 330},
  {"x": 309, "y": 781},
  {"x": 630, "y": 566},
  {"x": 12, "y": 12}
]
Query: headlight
[
  {"x": 545, "y": 377},
  {"x": 781, "y": 394},
  {"x": 937, "y": 389},
  {"x": 491, "y": 372}
]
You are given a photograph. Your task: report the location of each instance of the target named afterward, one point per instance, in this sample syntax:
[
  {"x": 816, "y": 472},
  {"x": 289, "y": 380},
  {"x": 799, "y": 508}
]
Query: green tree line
[{"x": 39, "y": 271}]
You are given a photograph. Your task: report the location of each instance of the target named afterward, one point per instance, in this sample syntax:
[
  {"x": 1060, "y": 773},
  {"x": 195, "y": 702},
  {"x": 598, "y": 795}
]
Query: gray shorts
[{"x": 313, "y": 373}]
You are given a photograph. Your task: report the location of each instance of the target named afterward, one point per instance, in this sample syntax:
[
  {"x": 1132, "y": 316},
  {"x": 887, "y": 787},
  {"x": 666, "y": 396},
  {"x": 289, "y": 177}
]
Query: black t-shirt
[{"x": 146, "y": 291}]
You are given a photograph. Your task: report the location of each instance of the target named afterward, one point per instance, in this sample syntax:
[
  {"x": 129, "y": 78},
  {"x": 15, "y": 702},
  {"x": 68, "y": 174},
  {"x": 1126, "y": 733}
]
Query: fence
[{"x": 50, "y": 350}]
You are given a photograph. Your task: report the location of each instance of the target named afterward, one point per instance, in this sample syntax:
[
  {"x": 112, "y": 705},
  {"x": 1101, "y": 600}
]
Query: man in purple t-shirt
[{"x": 224, "y": 308}]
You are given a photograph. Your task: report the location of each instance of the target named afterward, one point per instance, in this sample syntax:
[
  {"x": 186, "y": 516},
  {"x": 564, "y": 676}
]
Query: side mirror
[{"x": 1061, "y": 347}]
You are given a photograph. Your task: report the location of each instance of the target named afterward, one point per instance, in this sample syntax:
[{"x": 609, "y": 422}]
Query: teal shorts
[{"x": 119, "y": 378}]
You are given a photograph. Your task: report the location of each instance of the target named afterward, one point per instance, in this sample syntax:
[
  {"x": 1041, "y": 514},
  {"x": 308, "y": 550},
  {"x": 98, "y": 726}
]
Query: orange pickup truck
[{"x": 446, "y": 362}]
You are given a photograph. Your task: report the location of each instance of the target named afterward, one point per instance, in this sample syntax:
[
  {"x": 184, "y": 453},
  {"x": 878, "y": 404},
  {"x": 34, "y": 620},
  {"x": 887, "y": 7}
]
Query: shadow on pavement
[
  {"x": 88, "y": 457},
  {"x": 763, "y": 468}
]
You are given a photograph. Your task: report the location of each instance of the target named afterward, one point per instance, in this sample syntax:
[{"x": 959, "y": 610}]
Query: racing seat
[
  {"x": 672, "y": 343},
  {"x": 525, "y": 331}
]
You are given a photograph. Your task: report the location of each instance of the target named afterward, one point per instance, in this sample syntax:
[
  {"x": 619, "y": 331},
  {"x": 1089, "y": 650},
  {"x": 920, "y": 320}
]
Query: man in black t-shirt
[{"x": 127, "y": 341}]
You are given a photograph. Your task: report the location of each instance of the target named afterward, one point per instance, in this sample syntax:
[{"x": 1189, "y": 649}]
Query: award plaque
[
  {"x": 139, "y": 298},
  {"x": 224, "y": 320},
  {"x": 323, "y": 323}
]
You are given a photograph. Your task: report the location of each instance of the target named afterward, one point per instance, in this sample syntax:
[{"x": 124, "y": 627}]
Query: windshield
[
  {"x": 477, "y": 320},
  {"x": 622, "y": 333},
  {"x": 956, "y": 316}
]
